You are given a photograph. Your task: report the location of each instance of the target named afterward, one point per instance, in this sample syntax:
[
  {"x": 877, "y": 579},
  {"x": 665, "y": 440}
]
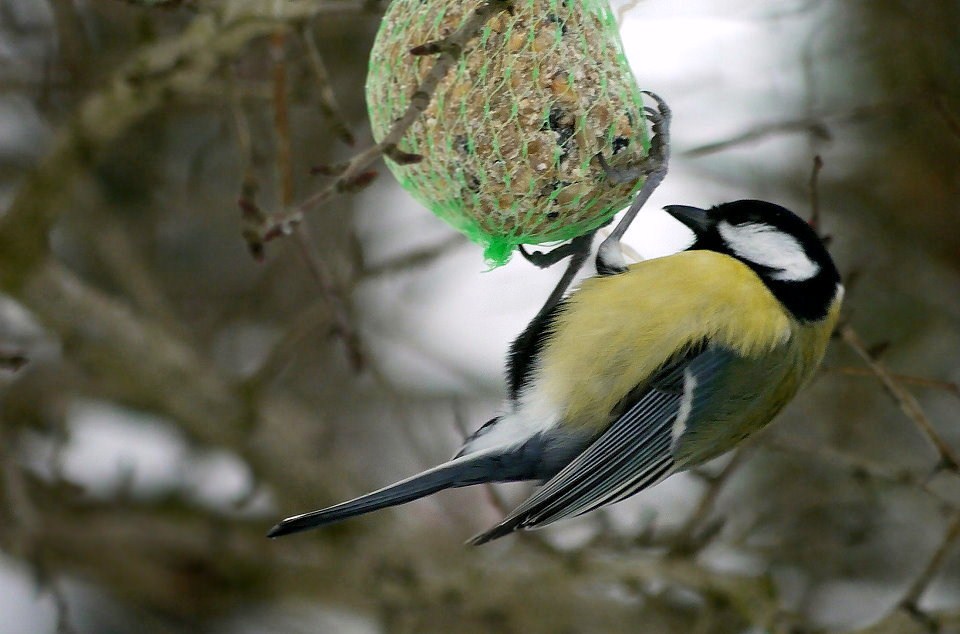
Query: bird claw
[
  {"x": 610, "y": 258},
  {"x": 545, "y": 259},
  {"x": 656, "y": 160},
  {"x": 620, "y": 175},
  {"x": 659, "y": 119}
]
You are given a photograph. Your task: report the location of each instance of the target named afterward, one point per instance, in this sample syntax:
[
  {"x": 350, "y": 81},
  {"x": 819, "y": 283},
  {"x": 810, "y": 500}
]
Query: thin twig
[
  {"x": 818, "y": 126},
  {"x": 815, "y": 193},
  {"x": 908, "y": 404},
  {"x": 449, "y": 51},
  {"x": 281, "y": 116},
  {"x": 949, "y": 118},
  {"x": 687, "y": 539},
  {"x": 329, "y": 107},
  {"x": 314, "y": 318},
  {"x": 413, "y": 259},
  {"x": 27, "y": 520},
  {"x": 343, "y": 324},
  {"x": 624, "y": 9},
  {"x": 934, "y": 384},
  {"x": 22, "y": 511},
  {"x": 71, "y": 35},
  {"x": 163, "y": 4},
  {"x": 856, "y": 464},
  {"x": 61, "y": 606},
  {"x": 912, "y": 597}
]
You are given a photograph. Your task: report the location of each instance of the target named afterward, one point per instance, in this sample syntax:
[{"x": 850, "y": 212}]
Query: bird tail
[{"x": 476, "y": 468}]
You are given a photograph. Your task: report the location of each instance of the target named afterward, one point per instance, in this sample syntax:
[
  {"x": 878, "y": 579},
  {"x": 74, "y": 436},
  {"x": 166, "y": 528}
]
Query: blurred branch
[
  {"x": 139, "y": 361},
  {"x": 133, "y": 361},
  {"x": 751, "y": 596},
  {"x": 162, "y": 4},
  {"x": 817, "y": 126},
  {"x": 27, "y": 520},
  {"x": 261, "y": 228},
  {"x": 329, "y": 107},
  {"x": 12, "y": 359},
  {"x": 128, "y": 269},
  {"x": 854, "y": 463},
  {"x": 314, "y": 318},
  {"x": 281, "y": 116},
  {"x": 815, "y": 193},
  {"x": 695, "y": 532},
  {"x": 948, "y": 116},
  {"x": 905, "y": 400},
  {"x": 624, "y": 9},
  {"x": 906, "y": 379},
  {"x": 62, "y": 608},
  {"x": 25, "y": 516},
  {"x": 911, "y": 598},
  {"x": 71, "y": 42},
  {"x": 192, "y": 564},
  {"x": 413, "y": 259},
  {"x": 340, "y": 309},
  {"x": 150, "y": 79}
]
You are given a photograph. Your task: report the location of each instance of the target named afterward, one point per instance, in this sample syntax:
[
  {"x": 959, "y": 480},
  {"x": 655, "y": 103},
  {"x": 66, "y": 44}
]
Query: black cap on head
[{"x": 780, "y": 247}]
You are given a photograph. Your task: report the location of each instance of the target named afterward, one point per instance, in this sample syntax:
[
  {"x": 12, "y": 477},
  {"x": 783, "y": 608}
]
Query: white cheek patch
[{"x": 771, "y": 248}]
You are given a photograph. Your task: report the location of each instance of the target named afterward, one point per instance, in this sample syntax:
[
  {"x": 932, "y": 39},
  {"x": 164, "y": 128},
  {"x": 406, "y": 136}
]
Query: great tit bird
[{"x": 645, "y": 370}]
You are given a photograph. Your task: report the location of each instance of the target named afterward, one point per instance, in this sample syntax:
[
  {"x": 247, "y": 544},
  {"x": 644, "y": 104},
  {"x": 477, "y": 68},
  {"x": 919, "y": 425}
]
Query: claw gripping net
[{"x": 510, "y": 137}]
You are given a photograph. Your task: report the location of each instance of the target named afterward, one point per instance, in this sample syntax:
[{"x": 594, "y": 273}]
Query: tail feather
[
  {"x": 502, "y": 529},
  {"x": 462, "y": 471}
]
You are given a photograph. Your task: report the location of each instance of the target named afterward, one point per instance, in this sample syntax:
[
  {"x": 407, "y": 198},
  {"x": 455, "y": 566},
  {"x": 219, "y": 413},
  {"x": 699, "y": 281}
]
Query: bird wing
[{"x": 634, "y": 452}]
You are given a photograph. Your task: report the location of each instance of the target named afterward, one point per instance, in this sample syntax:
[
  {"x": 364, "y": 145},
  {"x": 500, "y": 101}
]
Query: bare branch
[
  {"x": 150, "y": 79},
  {"x": 919, "y": 381},
  {"x": 815, "y": 193},
  {"x": 163, "y": 4},
  {"x": 948, "y": 116},
  {"x": 624, "y": 9},
  {"x": 315, "y": 318},
  {"x": 343, "y": 322},
  {"x": 906, "y": 401},
  {"x": 281, "y": 116},
  {"x": 911, "y": 598},
  {"x": 329, "y": 107},
  {"x": 413, "y": 259},
  {"x": 855, "y": 463},
  {"x": 449, "y": 51},
  {"x": 817, "y": 126},
  {"x": 691, "y": 536}
]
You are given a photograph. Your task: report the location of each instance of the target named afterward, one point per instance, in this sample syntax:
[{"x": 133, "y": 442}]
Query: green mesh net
[{"x": 511, "y": 136}]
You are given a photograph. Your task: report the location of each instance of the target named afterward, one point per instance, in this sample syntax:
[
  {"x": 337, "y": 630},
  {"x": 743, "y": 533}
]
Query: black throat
[{"x": 809, "y": 300}]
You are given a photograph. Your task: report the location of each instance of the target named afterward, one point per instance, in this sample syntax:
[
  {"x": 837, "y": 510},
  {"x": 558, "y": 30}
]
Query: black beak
[{"x": 698, "y": 220}]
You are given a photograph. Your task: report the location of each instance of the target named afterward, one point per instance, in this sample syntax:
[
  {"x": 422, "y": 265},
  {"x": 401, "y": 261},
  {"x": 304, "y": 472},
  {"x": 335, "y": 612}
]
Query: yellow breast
[{"x": 616, "y": 331}]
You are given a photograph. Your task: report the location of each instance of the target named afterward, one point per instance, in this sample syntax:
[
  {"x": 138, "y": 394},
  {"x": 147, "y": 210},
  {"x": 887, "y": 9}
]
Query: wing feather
[{"x": 633, "y": 453}]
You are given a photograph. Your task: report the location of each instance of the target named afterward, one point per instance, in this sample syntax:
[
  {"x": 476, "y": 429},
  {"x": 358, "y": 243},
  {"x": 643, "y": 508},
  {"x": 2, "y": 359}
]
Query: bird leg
[
  {"x": 579, "y": 249},
  {"x": 610, "y": 257}
]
